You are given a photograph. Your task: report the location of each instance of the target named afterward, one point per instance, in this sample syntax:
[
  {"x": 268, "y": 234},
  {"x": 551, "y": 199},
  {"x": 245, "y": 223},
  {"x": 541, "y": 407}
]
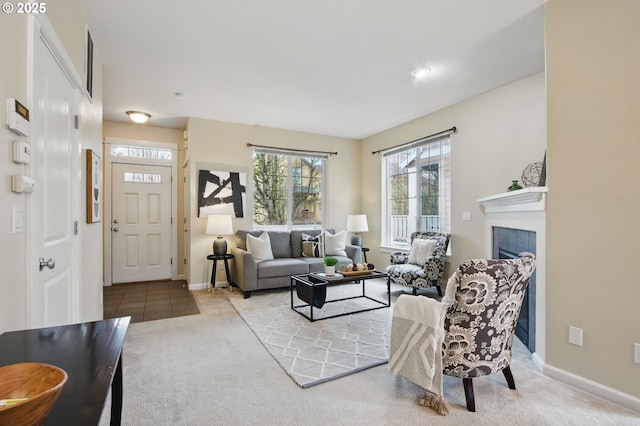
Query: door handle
[
  {"x": 115, "y": 220},
  {"x": 47, "y": 263},
  {"x": 115, "y": 229}
]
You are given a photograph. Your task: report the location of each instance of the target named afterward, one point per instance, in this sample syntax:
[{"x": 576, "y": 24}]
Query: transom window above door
[{"x": 141, "y": 152}]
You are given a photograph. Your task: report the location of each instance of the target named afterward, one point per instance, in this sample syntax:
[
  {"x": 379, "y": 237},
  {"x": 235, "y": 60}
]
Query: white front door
[
  {"x": 54, "y": 291},
  {"x": 141, "y": 222}
]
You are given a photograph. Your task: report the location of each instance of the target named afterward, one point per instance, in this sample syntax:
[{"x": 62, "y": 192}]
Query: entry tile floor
[{"x": 149, "y": 301}]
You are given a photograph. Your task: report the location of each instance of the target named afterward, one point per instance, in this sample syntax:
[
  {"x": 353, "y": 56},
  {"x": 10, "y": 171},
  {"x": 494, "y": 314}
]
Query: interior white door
[
  {"x": 141, "y": 222},
  {"x": 54, "y": 291}
]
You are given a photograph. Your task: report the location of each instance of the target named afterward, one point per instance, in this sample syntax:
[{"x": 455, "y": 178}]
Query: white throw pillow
[
  {"x": 421, "y": 250},
  {"x": 260, "y": 248},
  {"x": 334, "y": 245}
]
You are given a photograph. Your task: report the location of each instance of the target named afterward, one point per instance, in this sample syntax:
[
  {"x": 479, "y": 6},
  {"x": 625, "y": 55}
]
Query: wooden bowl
[{"x": 40, "y": 384}]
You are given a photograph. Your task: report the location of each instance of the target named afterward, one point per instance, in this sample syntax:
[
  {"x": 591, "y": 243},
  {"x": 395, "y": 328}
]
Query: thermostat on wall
[{"x": 18, "y": 117}]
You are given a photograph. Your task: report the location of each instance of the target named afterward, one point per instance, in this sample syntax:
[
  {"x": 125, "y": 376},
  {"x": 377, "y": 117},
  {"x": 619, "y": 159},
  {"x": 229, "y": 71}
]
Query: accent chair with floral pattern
[
  {"x": 480, "y": 324},
  {"x": 424, "y": 275}
]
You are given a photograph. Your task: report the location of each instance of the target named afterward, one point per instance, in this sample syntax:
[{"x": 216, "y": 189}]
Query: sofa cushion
[
  {"x": 281, "y": 267},
  {"x": 421, "y": 250},
  {"x": 280, "y": 244},
  {"x": 296, "y": 240},
  {"x": 312, "y": 246},
  {"x": 316, "y": 264},
  {"x": 259, "y": 247},
  {"x": 334, "y": 244},
  {"x": 241, "y": 238}
]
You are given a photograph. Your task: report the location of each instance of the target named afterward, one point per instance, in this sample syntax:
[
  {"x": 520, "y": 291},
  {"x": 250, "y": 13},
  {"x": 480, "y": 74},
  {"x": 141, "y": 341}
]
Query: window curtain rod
[
  {"x": 292, "y": 149},
  {"x": 451, "y": 130}
]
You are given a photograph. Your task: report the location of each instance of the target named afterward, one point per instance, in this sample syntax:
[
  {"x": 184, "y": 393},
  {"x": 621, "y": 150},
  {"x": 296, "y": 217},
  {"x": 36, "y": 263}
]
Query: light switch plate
[{"x": 17, "y": 220}]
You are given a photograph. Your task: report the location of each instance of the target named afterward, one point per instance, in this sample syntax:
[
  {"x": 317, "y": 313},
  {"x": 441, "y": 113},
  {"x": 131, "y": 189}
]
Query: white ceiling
[{"x": 332, "y": 67}]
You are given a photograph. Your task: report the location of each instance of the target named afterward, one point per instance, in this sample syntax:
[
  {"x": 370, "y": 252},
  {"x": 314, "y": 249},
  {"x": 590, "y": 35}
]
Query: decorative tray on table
[{"x": 368, "y": 269}]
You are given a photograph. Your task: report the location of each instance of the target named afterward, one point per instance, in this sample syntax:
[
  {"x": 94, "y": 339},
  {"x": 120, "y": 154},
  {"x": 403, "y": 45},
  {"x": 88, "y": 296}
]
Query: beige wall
[
  {"x": 593, "y": 83},
  {"x": 15, "y": 82},
  {"x": 69, "y": 22},
  {"x": 499, "y": 134},
  {"x": 91, "y": 277},
  {"x": 151, "y": 133},
  {"x": 225, "y": 144}
]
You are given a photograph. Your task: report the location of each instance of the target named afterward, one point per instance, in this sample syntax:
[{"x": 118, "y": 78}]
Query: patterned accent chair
[
  {"x": 429, "y": 274},
  {"x": 480, "y": 325}
]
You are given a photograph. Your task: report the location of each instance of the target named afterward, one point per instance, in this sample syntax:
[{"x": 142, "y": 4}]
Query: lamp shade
[
  {"x": 219, "y": 224},
  {"x": 357, "y": 223}
]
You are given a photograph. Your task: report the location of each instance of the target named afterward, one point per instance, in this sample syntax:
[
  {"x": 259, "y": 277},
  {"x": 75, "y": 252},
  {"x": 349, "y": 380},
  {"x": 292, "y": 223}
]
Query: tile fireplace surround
[{"x": 523, "y": 209}]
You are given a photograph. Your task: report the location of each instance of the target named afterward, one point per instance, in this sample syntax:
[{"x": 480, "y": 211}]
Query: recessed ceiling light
[
  {"x": 420, "y": 72},
  {"x": 138, "y": 116}
]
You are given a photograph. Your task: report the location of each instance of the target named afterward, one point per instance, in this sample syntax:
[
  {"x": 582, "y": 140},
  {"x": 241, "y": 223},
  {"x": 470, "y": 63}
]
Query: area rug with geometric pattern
[{"x": 316, "y": 352}]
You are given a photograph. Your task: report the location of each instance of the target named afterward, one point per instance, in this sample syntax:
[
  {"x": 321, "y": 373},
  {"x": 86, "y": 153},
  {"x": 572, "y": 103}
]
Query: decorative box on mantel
[{"x": 522, "y": 200}]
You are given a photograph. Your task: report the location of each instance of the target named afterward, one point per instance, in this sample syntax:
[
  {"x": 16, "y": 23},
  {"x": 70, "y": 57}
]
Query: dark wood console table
[{"x": 90, "y": 353}]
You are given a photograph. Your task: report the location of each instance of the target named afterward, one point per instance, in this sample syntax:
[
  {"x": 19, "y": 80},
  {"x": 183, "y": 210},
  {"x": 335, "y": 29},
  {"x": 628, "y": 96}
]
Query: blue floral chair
[
  {"x": 429, "y": 274},
  {"x": 480, "y": 324}
]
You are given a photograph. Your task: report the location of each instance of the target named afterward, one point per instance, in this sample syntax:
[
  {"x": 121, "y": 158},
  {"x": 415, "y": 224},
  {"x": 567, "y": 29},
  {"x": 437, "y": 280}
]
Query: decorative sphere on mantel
[{"x": 532, "y": 173}]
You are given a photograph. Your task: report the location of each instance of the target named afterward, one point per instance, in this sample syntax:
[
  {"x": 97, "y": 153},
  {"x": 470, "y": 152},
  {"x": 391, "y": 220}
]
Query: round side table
[{"x": 225, "y": 258}]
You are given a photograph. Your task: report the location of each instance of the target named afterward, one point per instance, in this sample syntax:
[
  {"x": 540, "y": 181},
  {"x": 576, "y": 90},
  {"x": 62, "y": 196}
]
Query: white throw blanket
[{"x": 417, "y": 333}]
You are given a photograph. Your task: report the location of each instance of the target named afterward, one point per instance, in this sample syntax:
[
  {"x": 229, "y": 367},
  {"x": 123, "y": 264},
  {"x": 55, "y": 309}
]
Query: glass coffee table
[{"x": 312, "y": 290}]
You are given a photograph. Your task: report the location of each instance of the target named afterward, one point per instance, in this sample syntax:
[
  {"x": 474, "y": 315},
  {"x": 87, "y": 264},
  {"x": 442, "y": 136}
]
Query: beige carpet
[
  {"x": 316, "y": 352},
  {"x": 209, "y": 369}
]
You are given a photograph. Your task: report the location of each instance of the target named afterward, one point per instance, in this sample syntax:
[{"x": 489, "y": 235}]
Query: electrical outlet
[
  {"x": 221, "y": 267},
  {"x": 636, "y": 353},
  {"x": 575, "y": 336}
]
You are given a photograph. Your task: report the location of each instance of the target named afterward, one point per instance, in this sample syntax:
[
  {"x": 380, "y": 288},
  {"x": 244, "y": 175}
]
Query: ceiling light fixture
[
  {"x": 138, "y": 117},
  {"x": 420, "y": 72}
]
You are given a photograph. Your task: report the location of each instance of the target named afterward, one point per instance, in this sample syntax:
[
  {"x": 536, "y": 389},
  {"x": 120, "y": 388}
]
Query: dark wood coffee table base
[{"x": 311, "y": 289}]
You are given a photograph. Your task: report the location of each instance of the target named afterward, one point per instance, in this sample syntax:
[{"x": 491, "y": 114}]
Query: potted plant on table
[{"x": 330, "y": 266}]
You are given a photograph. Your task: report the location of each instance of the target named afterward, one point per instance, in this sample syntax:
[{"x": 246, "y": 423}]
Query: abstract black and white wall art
[{"x": 221, "y": 192}]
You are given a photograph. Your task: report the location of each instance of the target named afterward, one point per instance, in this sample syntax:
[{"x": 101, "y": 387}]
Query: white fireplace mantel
[{"x": 521, "y": 200}]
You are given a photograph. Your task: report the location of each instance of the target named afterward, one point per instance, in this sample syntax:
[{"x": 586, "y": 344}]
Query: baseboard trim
[
  {"x": 614, "y": 395},
  {"x": 204, "y": 286},
  {"x": 537, "y": 361}
]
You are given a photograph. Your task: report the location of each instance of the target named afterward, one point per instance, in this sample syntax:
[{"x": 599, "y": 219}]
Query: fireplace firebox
[{"x": 507, "y": 244}]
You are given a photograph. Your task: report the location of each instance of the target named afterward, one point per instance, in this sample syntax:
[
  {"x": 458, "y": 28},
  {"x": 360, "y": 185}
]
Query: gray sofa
[{"x": 288, "y": 260}]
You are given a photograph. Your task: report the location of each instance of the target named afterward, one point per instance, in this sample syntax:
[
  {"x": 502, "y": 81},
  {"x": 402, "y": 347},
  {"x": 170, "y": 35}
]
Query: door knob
[
  {"x": 47, "y": 263},
  {"x": 115, "y": 229},
  {"x": 115, "y": 221}
]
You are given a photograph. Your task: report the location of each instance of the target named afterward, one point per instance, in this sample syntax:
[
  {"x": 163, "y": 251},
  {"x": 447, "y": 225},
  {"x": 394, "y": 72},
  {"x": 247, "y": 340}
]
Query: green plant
[{"x": 330, "y": 261}]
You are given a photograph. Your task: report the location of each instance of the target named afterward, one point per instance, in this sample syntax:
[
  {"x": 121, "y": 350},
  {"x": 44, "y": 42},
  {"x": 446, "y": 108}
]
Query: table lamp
[
  {"x": 357, "y": 223},
  {"x": 219, "y": 224}
]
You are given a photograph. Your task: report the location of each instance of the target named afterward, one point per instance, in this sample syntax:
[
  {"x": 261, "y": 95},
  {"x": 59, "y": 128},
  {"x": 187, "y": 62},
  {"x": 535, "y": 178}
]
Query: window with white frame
[
  {"x": 418, "y": 192},
  {"x": 288, "y": 190}
]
